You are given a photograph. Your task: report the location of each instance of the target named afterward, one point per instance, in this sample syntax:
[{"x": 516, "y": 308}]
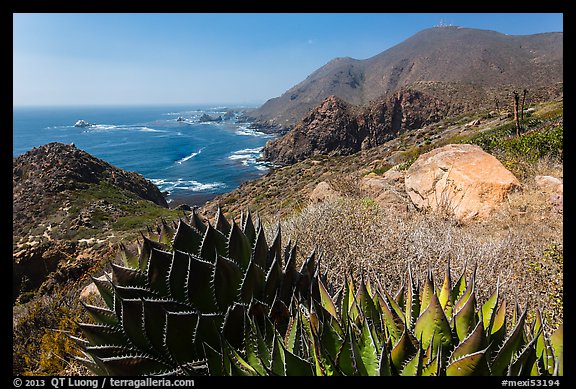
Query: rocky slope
[
  {"x": 473, "y": 58},
  {"x": 338, "y": 128},
  {"x": 69, "y": 207}
]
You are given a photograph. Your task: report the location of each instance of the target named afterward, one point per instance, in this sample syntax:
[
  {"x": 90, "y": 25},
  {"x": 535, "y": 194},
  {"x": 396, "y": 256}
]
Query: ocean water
[{"x": 193, "y": 161}]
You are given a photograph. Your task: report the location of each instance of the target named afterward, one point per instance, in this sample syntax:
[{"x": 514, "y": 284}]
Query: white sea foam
[
  {"x": 244, "y": 130},
  {"x": 180, "y": 161},
  {"x": 191, "y": 185},
  {"x": 249, "y": 157}
]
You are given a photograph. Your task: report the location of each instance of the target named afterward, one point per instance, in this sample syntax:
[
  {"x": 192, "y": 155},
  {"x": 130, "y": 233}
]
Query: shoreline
[{"x": 196, "y": 199}]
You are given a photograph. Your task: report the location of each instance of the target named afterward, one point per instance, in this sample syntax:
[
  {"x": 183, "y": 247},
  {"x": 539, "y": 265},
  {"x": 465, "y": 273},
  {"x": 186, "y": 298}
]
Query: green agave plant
[
  {"x": 180, "y": 293},
  {"x": 216, "y": 300},
  {"x": 421, "y": 331}
]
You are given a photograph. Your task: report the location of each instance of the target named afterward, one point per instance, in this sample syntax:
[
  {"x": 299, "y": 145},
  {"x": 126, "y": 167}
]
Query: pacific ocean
[{"x": 186, "y": 151}]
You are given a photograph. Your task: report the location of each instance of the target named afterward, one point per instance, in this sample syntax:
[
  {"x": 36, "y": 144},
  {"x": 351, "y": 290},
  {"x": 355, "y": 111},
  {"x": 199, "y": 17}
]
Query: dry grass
[{"x": 521, "y": 245}]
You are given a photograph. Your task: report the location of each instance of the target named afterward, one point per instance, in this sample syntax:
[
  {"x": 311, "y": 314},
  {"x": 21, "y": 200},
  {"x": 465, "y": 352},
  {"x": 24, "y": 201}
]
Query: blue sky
[{"x": 131, "y": 59}]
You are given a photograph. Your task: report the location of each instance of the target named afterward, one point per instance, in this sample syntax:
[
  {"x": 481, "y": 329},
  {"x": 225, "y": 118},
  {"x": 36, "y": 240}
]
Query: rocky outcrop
[
  {"x": 459, "y": 180},
  {"x": 59, "y": 191},
  {"x": 336, "y": 127},
  {"x": 387, "y": 189},
  {"x": 56, "y": 167},
  {"x": 207, "y": 118},
  {"x": 552, "y": 187},
  {"x": 323, "y": 192}
]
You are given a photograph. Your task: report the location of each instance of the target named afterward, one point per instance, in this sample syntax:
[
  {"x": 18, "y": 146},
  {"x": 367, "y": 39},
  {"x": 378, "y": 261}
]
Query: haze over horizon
[{"x": 162, "y": 59}]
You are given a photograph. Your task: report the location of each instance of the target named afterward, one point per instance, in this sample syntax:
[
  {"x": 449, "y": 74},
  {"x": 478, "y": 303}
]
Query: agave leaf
[
  {"x": 366, "y": 305},
  {"x": 106, "y": 291},
  {"x": 179, "y": 336},
  {"x": 275, "y": 250},
  {"x": 427, "y": 291},
  {"x": 207, "y": 329},
  {"x": 213, "y": 244},
  {"x": 94, "y": 363},
  {"x": 131, "y": 293},
  {"x": 292, "y": 333},
  {"x": 459, "y": 288},
  {"x": 400, "y": 296},
  {"x": 412, "y": 307},
  {"x": 239, "y": 247},
  {"x": 326, "y": 300},
  {"x": 132, "y": 321},
  {"x": 187, "y": 239},
  {"x": 260, "y": 252},
  {"x": 489, "y": 308},
  {"x": 296, "y": 366},
  {"x": 330, "y": 341},
  {"x": 414, "y": 366},
  {"x": 366, "y": 353},
  {"x": 100, "y": 335},
  {"x": 155, "y": 323},
  {"x": 394, "y": 327},
  {"x": 510, "y": 347},
  {"x": 214, "y": 361},
  {"x": 278, "y": 363},
  {"x": 396, "y": 309},
  {"x": 498, "y": 330},
  {"x": 101, "y": 315},
  {"x": 178, "y": 276},
  {"x": 346, "y": 360},
  {"x": 238, "y": 365},
  {"x": 227, "y": 281},
  {"x": 233, "y": 329},
  {"x": 465, "y": 318},
  {"x": 200, "y": 287},
  {"x": 279, "y": 315},
  {"x": 158, "y": 268},
  {"x": 248, "y": 227},
  {"x": 146, "y": 250},
  {"x": 196, "y": 222},
  {"x": 273, "y": 280},
  {"x": 444, "y": 294},
  {"x": 557, "y": 343},
  {"x": 251, "y": 348},
  {"x": 524, "y": 360},
  {"x": 221, "y": 223},
  {"x": 475, "y": 342},
  {"x": 253, "y": 283},
  {"x": 402, "y": 351},
  {"x": 128, "y": 256},
  {"x": 432, "y": 323},
  {"x": 107, "y": 351},
  {"x": 353, "y": 311},
  {"x": 469, "y": 365},
  {"x": 544, "y": 363},
  {"x": 166, "y": 233},
  {"x": 385, "y": 365},
  {"x": 465, "y": 296},
  {"x": 134, "y": 365}
]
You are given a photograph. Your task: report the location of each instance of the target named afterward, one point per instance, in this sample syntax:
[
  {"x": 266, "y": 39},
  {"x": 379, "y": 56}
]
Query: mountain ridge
[{"x": 482, "y": 58}]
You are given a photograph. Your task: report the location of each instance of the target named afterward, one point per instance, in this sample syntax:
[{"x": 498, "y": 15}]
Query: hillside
[
  {"x": 69, "y": 204},
  {"x": 337, "y": 128},
  {"x": 472, "y": 58}
]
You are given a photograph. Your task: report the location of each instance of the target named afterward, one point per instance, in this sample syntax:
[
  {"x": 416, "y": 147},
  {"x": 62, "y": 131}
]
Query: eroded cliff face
[{"x": 338, "y": 128}]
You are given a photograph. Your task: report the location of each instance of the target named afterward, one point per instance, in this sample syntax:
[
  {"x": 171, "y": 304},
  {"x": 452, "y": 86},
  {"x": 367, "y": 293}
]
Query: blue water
[{"x": 192, "y": 161}]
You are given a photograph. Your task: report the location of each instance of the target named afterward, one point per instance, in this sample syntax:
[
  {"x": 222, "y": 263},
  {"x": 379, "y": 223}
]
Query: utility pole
[
  {"x": 522, "y": 107},
  {"x": 516, "y": 119}
]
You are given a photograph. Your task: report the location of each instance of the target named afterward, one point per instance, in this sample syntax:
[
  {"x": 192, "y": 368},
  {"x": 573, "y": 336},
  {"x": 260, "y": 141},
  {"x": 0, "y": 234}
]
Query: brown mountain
[{"x": 446, "y": 56}]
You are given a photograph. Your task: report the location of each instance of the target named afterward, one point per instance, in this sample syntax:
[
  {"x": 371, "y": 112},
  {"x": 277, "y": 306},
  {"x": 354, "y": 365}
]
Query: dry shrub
[{"x": 521, "y": 245}]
